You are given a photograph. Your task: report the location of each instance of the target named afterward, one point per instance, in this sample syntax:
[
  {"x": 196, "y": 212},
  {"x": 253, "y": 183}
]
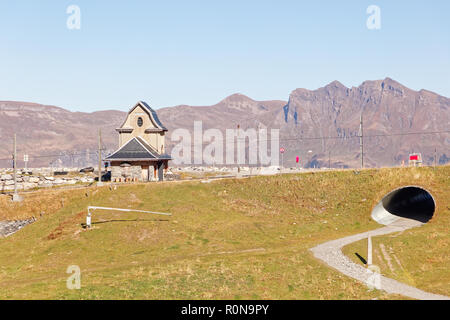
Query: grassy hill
[{"x": 228, "y": 239}]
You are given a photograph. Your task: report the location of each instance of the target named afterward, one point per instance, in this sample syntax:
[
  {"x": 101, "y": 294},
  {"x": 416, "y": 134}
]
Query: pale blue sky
[{"x": 198, "y": 52}]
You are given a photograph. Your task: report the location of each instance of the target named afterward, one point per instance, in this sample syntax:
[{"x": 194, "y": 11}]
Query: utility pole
[
  {"x": 329, "y": 159},
  {"x": 16, "y": 197},
  {"x": 238, "y": 149},
  {"x": 369, "y": 250},
  {"x": 72, "y": 155},
  {"x": 99, "y": 183},
  {"x": 15, "y": 165},
  {"x": 258, "y": 160},
  {"x": 435, "y": 157},
  {"x": 361, "y": 141},
  {"x": 310, "y": 159}
]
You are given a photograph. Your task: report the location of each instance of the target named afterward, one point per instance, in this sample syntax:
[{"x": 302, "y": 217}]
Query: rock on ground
[{"x": 7, "y": 228}]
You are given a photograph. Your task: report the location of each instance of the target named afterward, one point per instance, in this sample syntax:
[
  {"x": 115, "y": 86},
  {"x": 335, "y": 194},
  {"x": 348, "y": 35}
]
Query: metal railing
[{"x": 89, "y": 215}]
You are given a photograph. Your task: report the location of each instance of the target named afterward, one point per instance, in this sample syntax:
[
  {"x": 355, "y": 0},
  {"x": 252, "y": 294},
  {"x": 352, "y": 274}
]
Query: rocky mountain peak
[
  {"x": 330, "y": 111},
  {"x": 236, "y": 98},
  {"x": 335, "y": 85}
]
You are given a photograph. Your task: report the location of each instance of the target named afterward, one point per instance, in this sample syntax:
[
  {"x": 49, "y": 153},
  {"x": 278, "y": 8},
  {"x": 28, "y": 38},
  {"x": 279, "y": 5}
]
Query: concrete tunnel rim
[
  {"x": 407, "y": 186},
  {"x": 397, "y": 189}
]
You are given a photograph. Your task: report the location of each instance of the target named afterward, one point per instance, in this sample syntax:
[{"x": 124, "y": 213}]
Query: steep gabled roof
[
  {"x": 152, "y": 113},
  {"x": 164, "y": 156},
  {"x": 134, "y": 150}
]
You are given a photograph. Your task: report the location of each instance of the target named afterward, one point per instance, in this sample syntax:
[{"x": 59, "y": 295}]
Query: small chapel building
[{"x": 141, "y": 154}]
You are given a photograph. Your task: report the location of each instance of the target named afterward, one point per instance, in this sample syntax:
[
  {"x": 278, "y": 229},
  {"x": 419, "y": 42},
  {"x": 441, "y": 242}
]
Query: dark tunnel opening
[{"x": 407, "y": 202}]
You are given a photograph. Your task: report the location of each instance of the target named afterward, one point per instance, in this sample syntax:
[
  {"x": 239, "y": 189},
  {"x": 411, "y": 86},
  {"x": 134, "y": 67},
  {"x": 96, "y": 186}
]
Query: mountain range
[{"x": 319, "y": 126}]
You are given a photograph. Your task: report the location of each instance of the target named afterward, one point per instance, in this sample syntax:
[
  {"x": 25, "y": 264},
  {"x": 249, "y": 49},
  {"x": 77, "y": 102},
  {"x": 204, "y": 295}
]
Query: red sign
[
  {"x": 297, "y": 159},
  {"x": 282, "y": 150},
  {"x": 414, "y": 157}
]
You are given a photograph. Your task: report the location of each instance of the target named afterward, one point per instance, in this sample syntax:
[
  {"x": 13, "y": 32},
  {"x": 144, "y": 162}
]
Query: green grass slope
[{"x": 228, "y": 239}]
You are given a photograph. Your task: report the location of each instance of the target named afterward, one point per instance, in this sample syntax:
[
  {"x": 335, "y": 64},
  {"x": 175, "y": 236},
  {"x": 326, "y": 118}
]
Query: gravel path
[
  {"x": 7, "y": 228},
  {"x": 331, "y": 253}
]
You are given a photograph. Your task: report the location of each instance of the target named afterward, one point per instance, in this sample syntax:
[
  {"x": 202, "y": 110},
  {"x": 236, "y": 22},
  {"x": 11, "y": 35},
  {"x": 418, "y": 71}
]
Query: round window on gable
[{"x": 140, "y": 122}]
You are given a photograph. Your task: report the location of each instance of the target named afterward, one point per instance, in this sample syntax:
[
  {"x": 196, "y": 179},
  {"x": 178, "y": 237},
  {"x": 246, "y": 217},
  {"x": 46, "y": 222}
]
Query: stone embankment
[
  {"x": 37, "y": 178},
  {"x": 48, "y": 177},
  {"x": 25, "y": 182},
  {"x": 7, "y": 228}
]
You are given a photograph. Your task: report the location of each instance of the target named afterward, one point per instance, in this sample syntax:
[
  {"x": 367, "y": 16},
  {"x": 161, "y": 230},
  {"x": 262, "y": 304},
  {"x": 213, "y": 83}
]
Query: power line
[
  {"x": 292, "y": 138},
  {"x": 361, "y": 140},
  {"x": 56, "y": 155},
  {"x": 300, "y": 138}
]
